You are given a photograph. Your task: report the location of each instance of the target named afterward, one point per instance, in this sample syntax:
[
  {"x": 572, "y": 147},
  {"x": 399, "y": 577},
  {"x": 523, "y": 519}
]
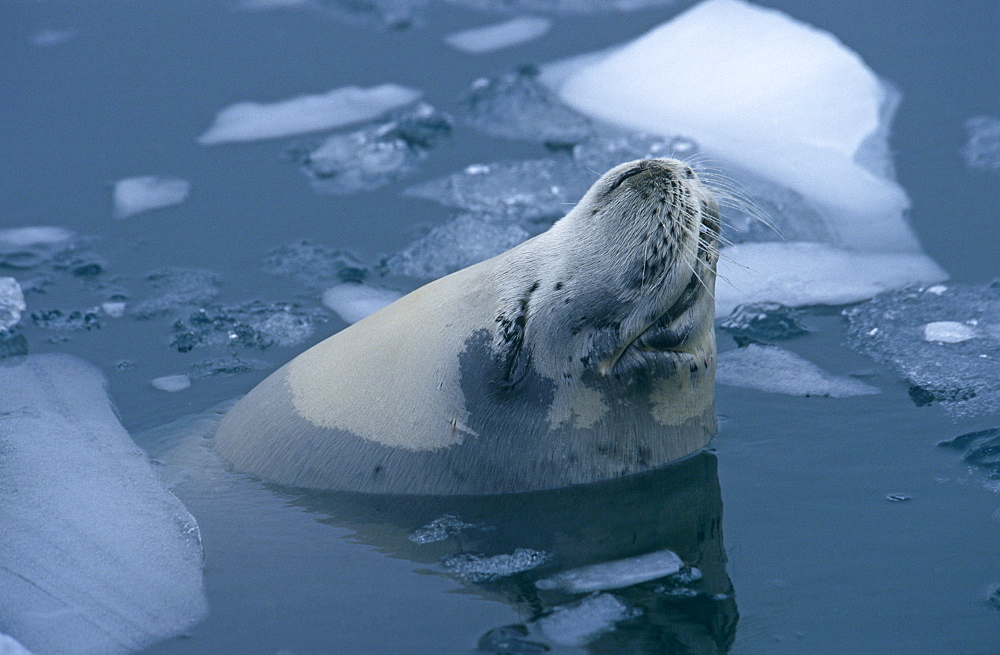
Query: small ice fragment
[
  {"x": 11, "y": 303},
  {"x": 776, "y": 370},
  {"x": 96, "y": 556},
  {"x": 139, "y": 194},
  {"x": 615, "y": 575},
  {"x": 252, "y": 121},
  {"x": 982, "y": 150},
  {"x": 439, "y": 529},
  {"x": 764, "y": 320},
  {"x": 482, "y": 568},
  {"x": 314, "y": 265},
  {"x": 797, "y": 274},
  {"x": 352, "y": 302},
  {"x": 49, "y": 37},
  {"x": 897, "y": 497},
  {"x": 171, "y": 383},
  {"x": 176, "y": 288},
  {"x": 114, "y": 309},
  {"x": 579, "y": 623},
  {"x": 499, "y": 36},
  {"x": 937, "y": 289},
  {"x": 26, "y": 237},
  {"x": 948, "y": 332}
]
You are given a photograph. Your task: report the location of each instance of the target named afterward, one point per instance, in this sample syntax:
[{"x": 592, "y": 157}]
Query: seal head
[{"x": 583, "y": 354}]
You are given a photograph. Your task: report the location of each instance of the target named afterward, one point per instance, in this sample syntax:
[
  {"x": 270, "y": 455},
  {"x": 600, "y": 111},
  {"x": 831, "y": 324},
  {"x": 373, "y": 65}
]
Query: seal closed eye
[{"x": 583, "y": 354}]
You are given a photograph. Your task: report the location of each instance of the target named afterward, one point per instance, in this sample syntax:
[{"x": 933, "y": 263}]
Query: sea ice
[
  {"x": 766, "y": 320},
  {"x": 11, "y": 303},
  {"x": 314, "y": 265},
  {"x": 11, "y": 646},
  {"x": 49, "y": 38},
  {"x": 980, "y": 449},
  {"x": 252, "y": 121},
  {"x": 96, "y": 556},
  {"x": 176, "y": 288},
  {"x": 482, "y": 568},
  {"x": 171, "y": 383},
  {"x": 464, "y": 240},
  {"x": 982, "y": 150},
  {"x": 761, "y": 90},
  {"x": 440, "y": 529},
  {"x": 615, "y": 575},
  {"x": 375, "y": 155},
  {"x": 255, "y": 324},
  {"x": 776, "y": 370},
  {"x": 353, "y": 301},
  {"x": 499, "y": 36},
  {"x": 28, "y": 247},
  {"x": 964, "y": 376},
  {"x": 948, "y": 332},
  {"x": 540, "y": 190},
  {"x": 581, "y": 622},
  {"x": 135, "y": 195},
  {"x": 797, "y": 274},
  {"x": 75, "y": 320},
  {"x": 517, "y": 106}
]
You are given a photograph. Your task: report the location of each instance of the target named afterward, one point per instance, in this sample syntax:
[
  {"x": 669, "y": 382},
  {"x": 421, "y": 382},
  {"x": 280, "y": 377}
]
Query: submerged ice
[
  {"x": 96, "y": 556},
  {"x": 776, "y": 370},
  {"x": 135, "y": 195},
  {"x": 982, "y": 150},
  {"x": 499, "y": 36},
  {"x": 963, "y": 374}
]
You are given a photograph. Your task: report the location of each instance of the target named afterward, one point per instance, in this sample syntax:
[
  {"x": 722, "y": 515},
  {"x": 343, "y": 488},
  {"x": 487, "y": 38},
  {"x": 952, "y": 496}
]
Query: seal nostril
[{"x": 689, "y": 172}]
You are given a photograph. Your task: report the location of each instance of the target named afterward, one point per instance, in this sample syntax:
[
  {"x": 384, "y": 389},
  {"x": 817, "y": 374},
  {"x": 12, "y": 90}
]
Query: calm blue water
[{"x": 819, "y": 560}]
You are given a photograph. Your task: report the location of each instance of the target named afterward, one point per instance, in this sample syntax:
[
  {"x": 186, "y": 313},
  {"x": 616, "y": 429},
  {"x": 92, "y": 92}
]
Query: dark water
[{"x": 819, "y": 559}]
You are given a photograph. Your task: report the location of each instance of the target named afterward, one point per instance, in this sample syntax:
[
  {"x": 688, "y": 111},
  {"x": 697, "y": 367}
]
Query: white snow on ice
[
  {"x": 135, "y": 195},
  {"x": 499, "y": 36},
  {"x": 776, "y": 370},
  {"x": 797, "y": 274},
  {"x": 252, "y": 121},
  {"x": 948, "y": 332},
  {"x": 171, "y": 383},
  {"x": 11, "y": 303},
  {"x": 352, "y": 302},
  {"x": 615, "y": 575},
  {"x": 765, "y": 92},
  {"x": 96, "y": 556}
]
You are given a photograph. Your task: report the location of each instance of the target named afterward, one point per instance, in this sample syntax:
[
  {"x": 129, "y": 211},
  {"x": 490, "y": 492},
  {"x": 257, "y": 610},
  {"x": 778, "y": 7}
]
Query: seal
[{"x": 585, "y": 353}]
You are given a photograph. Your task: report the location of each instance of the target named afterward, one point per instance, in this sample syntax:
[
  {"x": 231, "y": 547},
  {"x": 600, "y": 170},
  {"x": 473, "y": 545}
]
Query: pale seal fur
[{"x": 583, "y": 354}]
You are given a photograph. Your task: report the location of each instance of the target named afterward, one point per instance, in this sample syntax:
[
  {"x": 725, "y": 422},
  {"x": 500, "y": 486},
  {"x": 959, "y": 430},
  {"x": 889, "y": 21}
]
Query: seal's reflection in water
[{"x": 676, "y": 508}]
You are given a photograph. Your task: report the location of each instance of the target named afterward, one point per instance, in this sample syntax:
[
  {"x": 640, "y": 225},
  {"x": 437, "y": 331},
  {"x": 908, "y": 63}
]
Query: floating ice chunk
[
  {"x": 764, "y": 91},
  {"x": 964, "y": 376},
  {"x": 251, "y": 325},
  {"x": 615, "y": 575},
  {"x": 499, "y": 36},
  {"x": 583, "y": 621},
  {"x": 171, "y": 383},
  {"x": 176, "y": 288},
  {"x": 948, "y": 332},
  {"x": 440, "y": 529},
  {"x": 26, "y": 237},
  {"x": 11, "y": 646},
  {"x": 482, "y": 568},
  {"x": 252, "y": 121},
  {"x": 982, "y": 150},
  {"x": 224, "y": 367},
  {"x": 764, "y": 320},
  {"x": 777, "y": 370},
  {"x": 314, "y": 265},
  {"x": 799, "y": 274},
  {"x": 353, "y": 302},
  {"x": 376, "y": 155},
  {"x": 465, "y": 240},
  {"x": 135, "y": 195},
  {"x": 72, "y": 321},
  {"x": 517, "y": 106},
  {"x": 11, "y": 303},
  {"x": 114, "y": 308},
  {"x": 981, "y": 449},
  {"x": 96, "y": 556},
  {"x": 49, "y": 38}
]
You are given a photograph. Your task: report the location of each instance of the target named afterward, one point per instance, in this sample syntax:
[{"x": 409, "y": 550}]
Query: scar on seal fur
[{"x": 585, "y": 353}]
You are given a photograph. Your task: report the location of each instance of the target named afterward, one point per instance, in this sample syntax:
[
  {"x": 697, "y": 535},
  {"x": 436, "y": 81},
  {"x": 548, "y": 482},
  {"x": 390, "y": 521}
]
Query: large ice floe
[
  {"x": 761, "y": 91},
  {"x": 776, "y": 370},
  {"x": 253, "y": 121},
  {"x": 944, "y": 340},
  {"x": 96, "y": 556}
]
